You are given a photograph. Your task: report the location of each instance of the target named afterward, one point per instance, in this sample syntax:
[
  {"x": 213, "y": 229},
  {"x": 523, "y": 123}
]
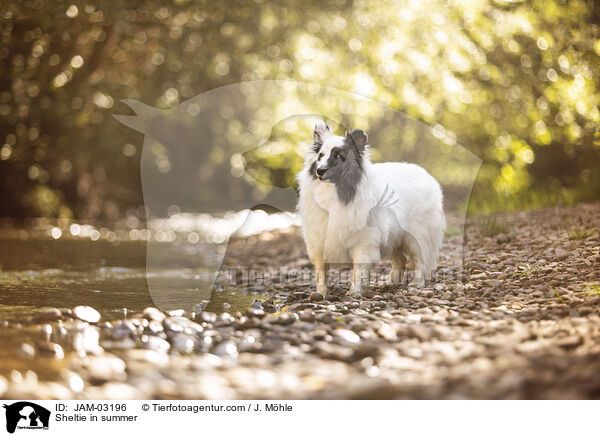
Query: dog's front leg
[
  {"x": 321, "y": 271},
  {"x": 360, "y": 271}
]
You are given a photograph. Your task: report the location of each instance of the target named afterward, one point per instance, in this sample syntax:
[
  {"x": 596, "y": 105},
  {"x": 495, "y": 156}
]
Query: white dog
[{"x": 354, "y": 211}]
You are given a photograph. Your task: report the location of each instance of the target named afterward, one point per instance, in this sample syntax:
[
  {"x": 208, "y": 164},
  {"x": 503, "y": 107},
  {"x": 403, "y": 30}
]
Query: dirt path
[{"x": 521, "y": 321}]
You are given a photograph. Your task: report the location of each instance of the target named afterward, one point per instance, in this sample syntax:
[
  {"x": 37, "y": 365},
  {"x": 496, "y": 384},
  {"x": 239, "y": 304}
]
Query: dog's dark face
[{"x": 339, "y": 159}]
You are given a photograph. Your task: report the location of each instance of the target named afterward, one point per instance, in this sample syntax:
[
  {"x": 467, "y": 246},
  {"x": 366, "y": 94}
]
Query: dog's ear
[
  {"x": 358, "y": 137},
  {"x": 321, "y": 130}
]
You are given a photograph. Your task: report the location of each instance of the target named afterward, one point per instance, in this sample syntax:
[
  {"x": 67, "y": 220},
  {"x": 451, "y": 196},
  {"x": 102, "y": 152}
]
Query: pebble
[
  {"x": 122, "y": 329},
  {"x": 316, "y": 296},
  {"x": 307, "y": 315},
  {"x": 47, "y": 315},
  {"x": 87, "y": 314},
  {"x": 155, "y": 343},
  {"x": 208, "y": 317},
  {"x": 26, "y": 351},
  {"x": 105, "y": 368},
  {"x": 226, "y": 349},
  {"x": 182, "y": 342},
  {"x": 51, "y": 349},
  {"x": 86, "y": 340},
  {"x": 153, "y": 314},
  {"x": 254, "y": 312},
  {"x": 347, "y": 335}
]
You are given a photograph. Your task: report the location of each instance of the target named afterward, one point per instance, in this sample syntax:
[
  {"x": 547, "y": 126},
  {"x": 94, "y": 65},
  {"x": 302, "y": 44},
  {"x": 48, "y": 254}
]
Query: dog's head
[{"x": 337, "y": 157}]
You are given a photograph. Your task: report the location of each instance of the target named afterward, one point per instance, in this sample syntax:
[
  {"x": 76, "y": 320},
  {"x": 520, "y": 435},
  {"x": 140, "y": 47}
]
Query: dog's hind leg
[
  {"x": 398, "y": 266},
  {"x": 419, "y": 260}
]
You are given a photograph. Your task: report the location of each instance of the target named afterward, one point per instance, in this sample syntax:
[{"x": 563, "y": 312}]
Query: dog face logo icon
[{"x": 26, "y": 415}]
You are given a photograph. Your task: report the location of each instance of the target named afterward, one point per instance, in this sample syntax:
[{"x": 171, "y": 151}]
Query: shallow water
[{"x": 37, "y": 271}]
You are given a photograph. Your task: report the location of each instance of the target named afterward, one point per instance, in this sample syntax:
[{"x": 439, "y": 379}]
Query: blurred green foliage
[{"x": 516, "y": 82}]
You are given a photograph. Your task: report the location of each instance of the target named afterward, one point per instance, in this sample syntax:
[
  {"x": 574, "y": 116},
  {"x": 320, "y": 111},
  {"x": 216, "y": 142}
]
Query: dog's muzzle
[{"x": 321, "y": 172}]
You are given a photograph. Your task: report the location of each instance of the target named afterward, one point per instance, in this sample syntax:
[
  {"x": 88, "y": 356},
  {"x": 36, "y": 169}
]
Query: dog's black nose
[{"x": 321, "y": 171}]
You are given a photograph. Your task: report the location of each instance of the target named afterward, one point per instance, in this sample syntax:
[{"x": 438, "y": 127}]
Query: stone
[
  {"x": 155, "y": 343},
  {"x": 153, "y": 314},
  {"x": 48, "y": 315},
  {"x": 182, "y": 342},
  {"x": 346, "y": 336},
  {"x": 86, "y": 313},
  {"x": 226, "y": 349},
  {"x": 560, "y": 254},
  {"x": 316, "y": 296},
  {"x": 105, "y": 368},
  {"x": 26, "y": 351},
  {"x": 52, "y": 349}
]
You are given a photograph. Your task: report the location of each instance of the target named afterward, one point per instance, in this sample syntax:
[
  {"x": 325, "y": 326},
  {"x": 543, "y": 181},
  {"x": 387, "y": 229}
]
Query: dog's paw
[
  {"x": 417, "y": 283},
  {"x": 322, "y": 289},
  {"x": 355, "y": 290},
  {"x": 395, "y": 278}
]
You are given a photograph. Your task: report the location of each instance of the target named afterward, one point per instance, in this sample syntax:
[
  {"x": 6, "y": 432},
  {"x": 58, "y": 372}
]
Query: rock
[
  {"x": 502, "y": 238},
  {"x": 418, "y": 331},
  {"x": 346, "y": 336},
  {"x": 183, "y": 324},
  {"x": 285, "y": 319},
  {"x": 47, "y": 315},
  {"x": 208, "y": 317},
  {"x": 364, "y": 349},
  {"x": 254, "y": 312},
  {"x": 479, "y": 276},
  {"x": 198, "y": 308},
  {"x": 155, "y": 343},
  {"x": 570, "y": 342},
  {"x": 154, "y": 328},
  {"x": 85, "y": 341},
  {"x": 105, "y": 368},
  {"x": 153, "y": 314},
  {"x": 307, "y": 315},
  {"x": 51, "y": 349},
  {"x": 560, "y": 254},
  {"x": 123, "y": 329},
  {"x": 72, "y": 380},
  {"x": 182, "y": 342},
  {"x": 26, "y": 351},
  {"x": 386, "y": 331},
  {"x": 493, "y": 283},
  {"x": 86, "y": 313},
  {"x": 269, "y": 307},
  {"x": 46, "y": 332},
  {"x": 224, "y": 319},
  {"x": 315, "y": 296},
  {"x": 326, "y": 350},
  {"x": 226, "y": 349},
  {"x": 119, "y": 344}
]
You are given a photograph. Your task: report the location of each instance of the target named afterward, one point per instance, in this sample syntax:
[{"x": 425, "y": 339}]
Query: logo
[{"x": 26, "y": 415}]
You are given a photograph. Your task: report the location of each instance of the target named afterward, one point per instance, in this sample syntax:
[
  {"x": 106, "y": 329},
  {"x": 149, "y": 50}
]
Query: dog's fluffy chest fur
[{"x": 344, "y": 224}]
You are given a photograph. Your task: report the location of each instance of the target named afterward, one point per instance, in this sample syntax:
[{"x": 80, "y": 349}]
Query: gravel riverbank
[{"x": 519, "y": 319}]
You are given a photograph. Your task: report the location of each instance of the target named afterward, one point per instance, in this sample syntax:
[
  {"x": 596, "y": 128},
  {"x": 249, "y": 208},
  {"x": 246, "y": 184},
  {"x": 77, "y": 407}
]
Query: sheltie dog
[{"x": 355, "y": 211}]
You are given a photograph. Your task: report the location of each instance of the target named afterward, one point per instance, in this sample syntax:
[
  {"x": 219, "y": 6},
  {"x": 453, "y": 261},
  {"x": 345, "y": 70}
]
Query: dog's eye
[{"x": 320, "y": 155}]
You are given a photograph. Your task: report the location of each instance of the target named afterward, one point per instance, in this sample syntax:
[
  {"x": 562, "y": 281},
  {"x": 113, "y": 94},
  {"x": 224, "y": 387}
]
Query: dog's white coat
[{"x": 411, "y": 229}]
